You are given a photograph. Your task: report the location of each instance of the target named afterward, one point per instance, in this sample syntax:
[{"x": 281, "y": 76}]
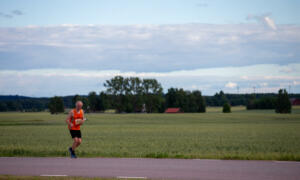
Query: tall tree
[
  {"x": 93, "y": 101},
  {"x": 134, "y": 92},
  {"x": 105, "y": 101},
  {"x": 153, "y": 97},
  {"x": 117, "y": 87},
  {"x": 200, "y": 101},
  {"x": 283, "y": 104},
  {"x": 56, "y": 105},
  {"x": 171, "y": 100},
  {"x": 220, "y": 99}
]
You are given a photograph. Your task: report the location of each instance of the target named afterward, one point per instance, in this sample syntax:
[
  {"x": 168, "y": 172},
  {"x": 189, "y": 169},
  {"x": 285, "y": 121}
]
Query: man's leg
[
  {"x": 75, "y": 143},
  {"x": 72, "y": 149},
  {"x": 78, "y": 142},
  {"x": 76, "y": 135}
]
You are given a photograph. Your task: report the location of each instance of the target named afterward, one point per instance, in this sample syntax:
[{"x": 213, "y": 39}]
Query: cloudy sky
[{"x": 66, "y": 47}]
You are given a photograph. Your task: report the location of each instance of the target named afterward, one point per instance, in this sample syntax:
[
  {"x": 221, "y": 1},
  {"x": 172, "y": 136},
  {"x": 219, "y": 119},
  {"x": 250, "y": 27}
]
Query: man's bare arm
[
  {"x": 83, "y": 118},
  {"x": 70, "y": 115}
]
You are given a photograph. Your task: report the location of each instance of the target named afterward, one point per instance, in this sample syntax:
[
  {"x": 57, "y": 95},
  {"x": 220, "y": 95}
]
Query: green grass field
[{"x": 261, "y": 135}]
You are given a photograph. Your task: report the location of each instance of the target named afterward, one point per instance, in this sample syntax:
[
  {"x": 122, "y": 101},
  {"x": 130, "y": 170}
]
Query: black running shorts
[{"x": 75, "y": 133}]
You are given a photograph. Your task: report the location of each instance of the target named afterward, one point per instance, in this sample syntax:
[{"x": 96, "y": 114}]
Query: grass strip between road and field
[{"x": 10, "y": 177}]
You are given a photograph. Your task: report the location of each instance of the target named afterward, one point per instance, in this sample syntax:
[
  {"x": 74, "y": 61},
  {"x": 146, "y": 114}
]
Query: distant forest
[
  {"x": 141, "y": 95},
  {"x": 30, "y": 104}
]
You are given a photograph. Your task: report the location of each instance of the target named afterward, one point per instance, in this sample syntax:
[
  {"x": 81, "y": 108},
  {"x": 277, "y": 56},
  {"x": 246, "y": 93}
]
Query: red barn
[
  {"x": 173, "y": 110},
  {"x": 295, "y": 102}
]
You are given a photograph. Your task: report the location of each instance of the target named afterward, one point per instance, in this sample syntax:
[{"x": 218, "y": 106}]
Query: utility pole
[{"x": 238, "y": 89}]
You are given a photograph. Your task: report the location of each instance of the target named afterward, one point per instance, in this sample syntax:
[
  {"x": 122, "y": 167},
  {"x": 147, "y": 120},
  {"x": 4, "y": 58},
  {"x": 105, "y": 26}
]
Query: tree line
[
  {"x": 23, "y": 104},
  {"x": 132, "y": 94}
]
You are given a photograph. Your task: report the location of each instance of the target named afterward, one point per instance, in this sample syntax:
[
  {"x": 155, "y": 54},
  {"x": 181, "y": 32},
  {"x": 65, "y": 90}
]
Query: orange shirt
[{"x": 76, "y": 115}]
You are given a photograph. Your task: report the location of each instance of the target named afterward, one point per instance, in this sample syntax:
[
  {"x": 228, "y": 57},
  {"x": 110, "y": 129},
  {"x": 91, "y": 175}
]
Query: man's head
[{"x": 79, "y": 105}]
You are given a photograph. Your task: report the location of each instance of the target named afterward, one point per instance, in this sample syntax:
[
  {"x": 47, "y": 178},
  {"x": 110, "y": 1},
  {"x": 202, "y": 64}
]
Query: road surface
[{"x": 188, "y": 169}]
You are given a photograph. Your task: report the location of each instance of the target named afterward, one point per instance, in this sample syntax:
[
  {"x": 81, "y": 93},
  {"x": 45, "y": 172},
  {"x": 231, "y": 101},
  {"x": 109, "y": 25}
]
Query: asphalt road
[{"x": 151, "y": 168}]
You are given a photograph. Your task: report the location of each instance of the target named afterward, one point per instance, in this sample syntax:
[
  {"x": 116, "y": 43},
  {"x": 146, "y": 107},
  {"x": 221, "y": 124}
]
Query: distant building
[
  {"x": 295, "y": 101},
  {"x": 173, "y": 110}
]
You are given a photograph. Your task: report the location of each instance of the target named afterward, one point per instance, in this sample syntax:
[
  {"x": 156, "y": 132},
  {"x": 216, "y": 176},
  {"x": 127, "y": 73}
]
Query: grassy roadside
[
  {"x": 255, "y": 135},
  {"x": 9, "y": 177}
]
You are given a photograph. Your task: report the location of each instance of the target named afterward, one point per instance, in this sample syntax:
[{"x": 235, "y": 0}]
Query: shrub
[{"x": 226, "y": 108}]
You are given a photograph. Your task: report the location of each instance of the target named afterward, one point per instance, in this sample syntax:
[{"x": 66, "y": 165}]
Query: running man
[{"x": 74, "y": 120}]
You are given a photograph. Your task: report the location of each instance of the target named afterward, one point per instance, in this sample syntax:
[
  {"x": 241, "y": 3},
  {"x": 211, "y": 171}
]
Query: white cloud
[
  {"x": 147, "y": 48},
  {"x": 270, "y": 22},
  {"x": 49, "y": 82},
  {"x": 264, "y": 19},
  {"x": 231, "y": 85},
  {"x": 296, "y": 83}
]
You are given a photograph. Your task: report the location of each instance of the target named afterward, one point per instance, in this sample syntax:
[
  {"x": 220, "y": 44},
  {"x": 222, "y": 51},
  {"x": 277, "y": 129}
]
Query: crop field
[{"x": 257, "y": 134}]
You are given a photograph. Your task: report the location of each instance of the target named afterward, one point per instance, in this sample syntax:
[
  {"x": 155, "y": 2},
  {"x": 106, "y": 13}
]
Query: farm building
[
  {"x": 295, "y": 101},
  {"x": 173, "y": 110}
]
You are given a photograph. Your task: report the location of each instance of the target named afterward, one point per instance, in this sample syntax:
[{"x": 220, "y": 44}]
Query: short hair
[{"x": 78, "y": 102}]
